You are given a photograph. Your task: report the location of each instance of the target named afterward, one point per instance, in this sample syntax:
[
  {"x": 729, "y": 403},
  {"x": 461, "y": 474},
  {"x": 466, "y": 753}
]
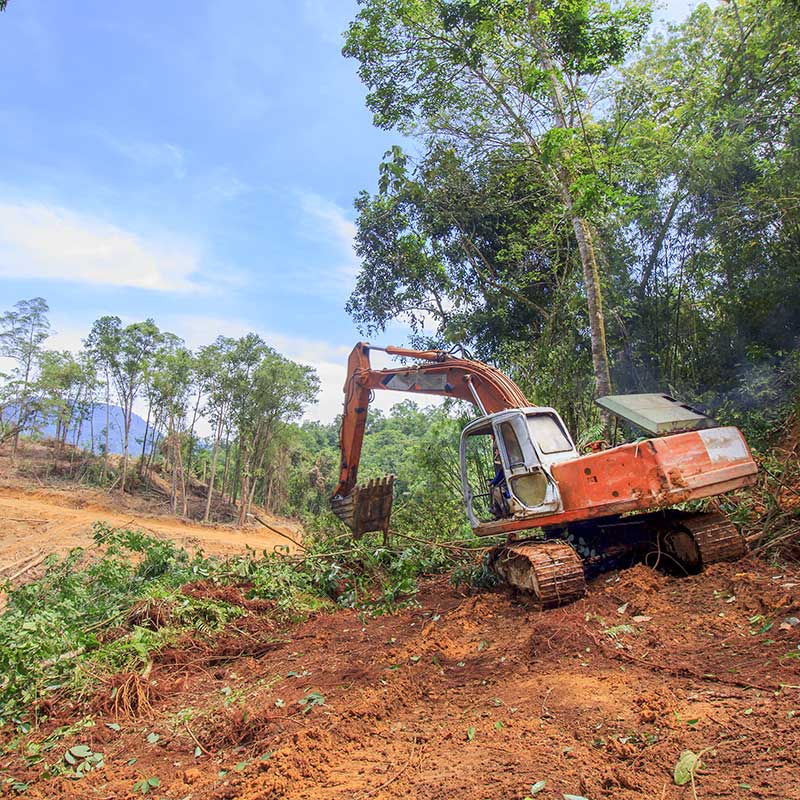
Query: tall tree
[
  {"x": 170, "y": 377},
  {"x": 22, "y": 332},
  {"x": 102, "y": 345},
  {"x": 707, "y": 119},
  {"x": 214, "y": 365},
  {"x": 282, "y": 389},
  {"x": 63, "y": 380},
  {"x": 126, "y": 354},
  {"x": 492, "y": 73}
]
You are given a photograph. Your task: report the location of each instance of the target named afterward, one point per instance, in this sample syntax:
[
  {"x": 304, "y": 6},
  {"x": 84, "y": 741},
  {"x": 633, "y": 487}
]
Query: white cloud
[
  {"x": 328, "y": 359},
  {"x": 328, "y": 223},
  {"x": 53, "y": 243}
]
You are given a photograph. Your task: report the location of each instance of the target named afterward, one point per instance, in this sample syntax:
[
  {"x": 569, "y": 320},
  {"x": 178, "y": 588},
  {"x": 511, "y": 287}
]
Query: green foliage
[
  {"x": 145, "y": 785},
  {"x": 686, "y": 768},
  {"x": 474, "y": 574},
  {"x": 79, "y": 599},
  {"x": 689, "y": 178},
  {"x": 133, "y": 589}
]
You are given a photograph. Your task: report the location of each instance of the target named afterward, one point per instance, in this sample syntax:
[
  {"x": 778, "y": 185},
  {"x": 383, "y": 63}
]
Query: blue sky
[{"x": 194, "y": 162}]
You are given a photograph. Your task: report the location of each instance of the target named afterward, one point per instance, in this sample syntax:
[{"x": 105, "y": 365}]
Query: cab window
[
  {"x": 514, "y": 451},
  {"x": 547, "y": 434}
]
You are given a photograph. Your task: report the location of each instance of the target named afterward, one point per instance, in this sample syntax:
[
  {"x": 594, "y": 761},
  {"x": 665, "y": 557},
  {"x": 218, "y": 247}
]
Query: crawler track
[
  {"x": 551, "y": 571},
  {"x": 698, "y": 540}
]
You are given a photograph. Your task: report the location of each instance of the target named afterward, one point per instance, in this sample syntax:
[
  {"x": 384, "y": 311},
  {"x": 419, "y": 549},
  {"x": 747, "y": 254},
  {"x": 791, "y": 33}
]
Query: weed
[{"x": 146, "y": 784}]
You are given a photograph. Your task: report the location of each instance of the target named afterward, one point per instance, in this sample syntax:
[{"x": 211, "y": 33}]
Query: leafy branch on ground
[{"x": 110, "y": 610}]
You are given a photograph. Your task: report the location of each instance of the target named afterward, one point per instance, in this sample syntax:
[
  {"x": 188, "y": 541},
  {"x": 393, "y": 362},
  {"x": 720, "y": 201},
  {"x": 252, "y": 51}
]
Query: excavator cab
[
  {"x": 596, "y": 509},
  {"x": 528, "y": 441}
]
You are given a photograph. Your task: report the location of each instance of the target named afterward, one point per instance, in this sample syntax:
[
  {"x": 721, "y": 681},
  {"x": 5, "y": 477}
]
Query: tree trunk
[
  {"x": 153, "y": 443},
  {"x": 211, "y": 477},
  {"x": 594, "y": 301},
  {"x": 226, "y": 470},
  {"x": 583, "y": 236},
  {"x": 659, "y": 242},
  {"x": 144, "y": 440},
  {"x": 108, "y": 425},
  {"x": 263, "y": 449},
  {"x": 244, "y": 472},
  {"x": 173, "y": 500},
  {"x": 268, "y": 496},
  {"x": 236, "y": 481},
  {"x": 76, "y": 443},
  {"x": 182, "y": 474},
  {"x": 126, "y": 412},
  {"x": 191, "y": 433}
]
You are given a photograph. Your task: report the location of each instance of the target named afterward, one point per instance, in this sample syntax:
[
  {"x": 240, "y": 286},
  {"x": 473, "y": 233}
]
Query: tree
[
  {"x": 214, "y": 366},
  {"x": 472, "y": 252},
  {"x": 125, "y": 354},
  {"x": 273, "y": 390},
  {"x": 171, "y": 377},
  {"x": 494, "y": 73},
  {"x": 102, "y": 345},
  {"x": 63, "y": 381},
  {"x": 707, "y": 120},
  {"x": 22, "y": 332}
]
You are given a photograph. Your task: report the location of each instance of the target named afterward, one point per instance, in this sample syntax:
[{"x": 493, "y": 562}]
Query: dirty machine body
[{"x": 565, "y": 515}]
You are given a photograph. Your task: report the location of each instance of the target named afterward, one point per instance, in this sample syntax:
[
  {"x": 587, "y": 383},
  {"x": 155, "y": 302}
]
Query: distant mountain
[{"x": 96, "y": 426}]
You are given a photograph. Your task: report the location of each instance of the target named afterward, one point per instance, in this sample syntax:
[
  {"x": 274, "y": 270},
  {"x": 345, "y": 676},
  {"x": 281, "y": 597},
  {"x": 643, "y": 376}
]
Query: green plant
[
  {"x": 310, "y": 700},
  {"x": 146, "y": 784},
  {"x": 82, "y": 760}
]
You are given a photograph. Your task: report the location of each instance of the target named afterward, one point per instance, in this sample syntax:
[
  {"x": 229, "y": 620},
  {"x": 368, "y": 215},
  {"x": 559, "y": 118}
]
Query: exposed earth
[
  {"x": 45, "y": 511},
  {"x": 56, "y": 520},
  {"x": 468, "y": 697}
]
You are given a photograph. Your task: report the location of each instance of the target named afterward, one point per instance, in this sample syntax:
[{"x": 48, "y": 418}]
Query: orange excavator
[{"x": 564, "y": 514}]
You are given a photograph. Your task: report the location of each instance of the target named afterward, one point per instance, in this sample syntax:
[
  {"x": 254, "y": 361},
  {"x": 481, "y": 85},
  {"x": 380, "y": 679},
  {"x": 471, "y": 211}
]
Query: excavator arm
[{"x": 368, "y": 507}]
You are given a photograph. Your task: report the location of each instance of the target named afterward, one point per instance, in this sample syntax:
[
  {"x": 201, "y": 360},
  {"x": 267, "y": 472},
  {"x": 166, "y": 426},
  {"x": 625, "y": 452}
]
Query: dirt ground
[
  {"x": 469, "y": 697},
  {"x": 55, "y": 520},
  {"x": 42, "y": 513}
]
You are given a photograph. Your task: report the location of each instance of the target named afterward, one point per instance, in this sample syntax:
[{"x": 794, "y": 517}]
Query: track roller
[
  {"x": 551, "y": 571},
  {"x": 697, "y": 540}
]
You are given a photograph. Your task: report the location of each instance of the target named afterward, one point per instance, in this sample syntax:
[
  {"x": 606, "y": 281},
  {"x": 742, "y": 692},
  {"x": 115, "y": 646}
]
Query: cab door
[{"x": 531, "y": 486}]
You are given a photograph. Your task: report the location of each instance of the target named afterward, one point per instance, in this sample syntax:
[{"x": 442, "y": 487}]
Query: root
[{"x": 132, "y": 694}]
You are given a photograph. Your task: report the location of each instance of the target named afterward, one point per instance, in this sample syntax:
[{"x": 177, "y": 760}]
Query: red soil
[{"x": 470, "y": 697}]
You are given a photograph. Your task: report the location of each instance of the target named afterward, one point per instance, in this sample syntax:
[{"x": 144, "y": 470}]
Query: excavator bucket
[{"x": 368, "y": 507}]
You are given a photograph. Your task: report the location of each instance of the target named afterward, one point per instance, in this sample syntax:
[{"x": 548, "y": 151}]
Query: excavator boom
[
  {"x": 542, "y": 481},
  {"x": 440, "y": 374},
  {"x": 368, "y": 507}
]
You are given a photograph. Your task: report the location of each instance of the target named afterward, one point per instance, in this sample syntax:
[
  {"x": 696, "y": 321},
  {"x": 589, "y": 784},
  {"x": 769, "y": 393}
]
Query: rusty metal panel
[
  {"x": 368, "y": 507},
  {"x": 415, "y": 380},
  {"x": 643, "y": 476},
  {"x": 657, "y": 414}
]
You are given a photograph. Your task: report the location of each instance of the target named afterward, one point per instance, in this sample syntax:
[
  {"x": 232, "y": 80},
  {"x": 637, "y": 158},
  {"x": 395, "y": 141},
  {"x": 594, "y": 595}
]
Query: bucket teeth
[
  {"x": 368, "y": 507},
  {"x": 551, "y": 571}
]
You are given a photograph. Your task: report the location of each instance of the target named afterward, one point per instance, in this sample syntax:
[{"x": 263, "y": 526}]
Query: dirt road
[
  {"x": 49, "y": 520},
  {"x": 472, "y": 698}
]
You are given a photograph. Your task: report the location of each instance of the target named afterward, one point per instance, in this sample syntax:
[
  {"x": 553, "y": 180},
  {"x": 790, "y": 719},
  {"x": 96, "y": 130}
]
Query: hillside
[
  {"x": 92, "y": 430},
  {"x": 45, "y": 511},
  {"x": 463, "y": 696}
]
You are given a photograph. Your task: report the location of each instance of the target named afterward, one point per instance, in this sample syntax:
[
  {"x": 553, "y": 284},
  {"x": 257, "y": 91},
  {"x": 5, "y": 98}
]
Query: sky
[{"x": 192, "y": 161}]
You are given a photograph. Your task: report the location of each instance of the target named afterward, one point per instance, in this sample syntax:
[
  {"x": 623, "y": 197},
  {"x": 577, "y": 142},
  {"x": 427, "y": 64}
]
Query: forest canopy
[{"x": 591, "y": 209}]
